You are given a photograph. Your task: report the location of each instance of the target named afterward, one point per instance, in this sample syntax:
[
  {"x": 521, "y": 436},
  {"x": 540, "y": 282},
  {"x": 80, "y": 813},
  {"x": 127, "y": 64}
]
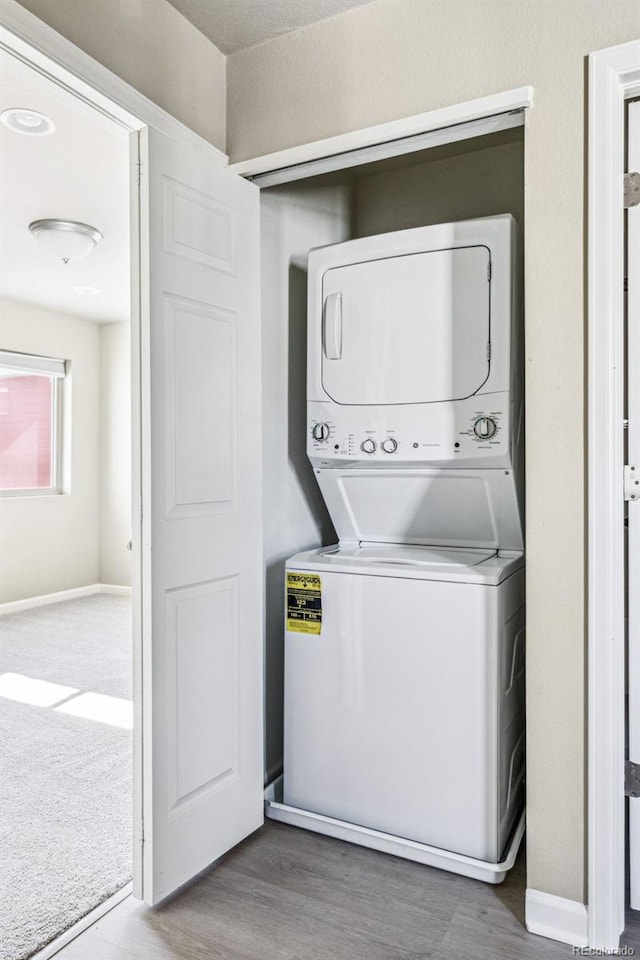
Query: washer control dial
[
  {"x": 389, "y": 445},
  {"x": 485, "y": 428},
  {"x": 368, "y": 445},
  {"x": 320, "y": 431}
]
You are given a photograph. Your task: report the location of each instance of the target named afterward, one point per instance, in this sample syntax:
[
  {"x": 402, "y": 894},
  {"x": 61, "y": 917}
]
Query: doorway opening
[
  {"x": 65, "y": 505},
  {"x": 469, "y": 179}
]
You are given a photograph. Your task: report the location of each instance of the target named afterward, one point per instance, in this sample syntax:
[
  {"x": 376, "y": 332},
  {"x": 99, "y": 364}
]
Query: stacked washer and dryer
[{"x": 404, "y": 648}]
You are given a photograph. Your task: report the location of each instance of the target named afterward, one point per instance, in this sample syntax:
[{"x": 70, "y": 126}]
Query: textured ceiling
[{"x": 236, "y": 24}]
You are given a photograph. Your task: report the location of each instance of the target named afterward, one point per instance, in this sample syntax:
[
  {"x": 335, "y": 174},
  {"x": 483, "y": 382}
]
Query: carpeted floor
[{"x": 65, "y": 780}]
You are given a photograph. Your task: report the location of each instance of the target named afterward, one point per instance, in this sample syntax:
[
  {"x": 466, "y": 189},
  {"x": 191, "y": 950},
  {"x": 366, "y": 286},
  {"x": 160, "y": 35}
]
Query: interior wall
[
  {"x": 293, "y": 219},
  {"x": 115, "y": 453},
  {"x": 462, "y": 186},
  {"x": 388, "y": 60},
  {"x": 51, "y": 543},
  {"x": 155, "y": 49}
]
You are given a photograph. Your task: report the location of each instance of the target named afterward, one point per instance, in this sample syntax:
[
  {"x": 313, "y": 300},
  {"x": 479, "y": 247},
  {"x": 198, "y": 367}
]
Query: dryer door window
[{"x": 409, "y": 329}]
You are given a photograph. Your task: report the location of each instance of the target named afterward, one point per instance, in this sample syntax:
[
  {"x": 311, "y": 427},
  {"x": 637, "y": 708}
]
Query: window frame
[{"x": 58, "y": 372}]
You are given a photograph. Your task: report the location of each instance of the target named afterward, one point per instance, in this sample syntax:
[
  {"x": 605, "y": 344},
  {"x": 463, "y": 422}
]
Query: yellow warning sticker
[{"x": 304, "y": 603}]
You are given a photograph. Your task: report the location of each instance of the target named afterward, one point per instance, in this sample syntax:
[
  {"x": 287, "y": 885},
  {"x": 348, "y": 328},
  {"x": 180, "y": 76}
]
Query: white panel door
[
  {"x": 409, "y": 329},
  {"x": 633, "y": 506},
  {"x": 202, "y": 740}
]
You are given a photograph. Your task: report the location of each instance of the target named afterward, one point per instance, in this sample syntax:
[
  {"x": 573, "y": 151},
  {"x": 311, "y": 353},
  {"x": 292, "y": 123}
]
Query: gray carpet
[{"x": 65, "y": 781}]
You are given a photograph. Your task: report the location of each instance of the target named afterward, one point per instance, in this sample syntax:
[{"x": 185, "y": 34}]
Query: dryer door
[{"x": 408, "y": 329}]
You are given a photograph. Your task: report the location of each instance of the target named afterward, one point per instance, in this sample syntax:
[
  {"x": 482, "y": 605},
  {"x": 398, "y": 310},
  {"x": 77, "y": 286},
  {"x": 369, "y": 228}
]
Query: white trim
[
  {"x": 26, "y": 36},
  {"x": 613, "y": 74},
  {"x": 556, "y": 918},
  {"x": 32, "y": 363},
  {"x": 17, "y": 606},
  {"x": 392, "y": 148},
  {"x": 83, "y": 924},
  {"x": 517, "y": 99},
  {"x": 114, "y": 589}
]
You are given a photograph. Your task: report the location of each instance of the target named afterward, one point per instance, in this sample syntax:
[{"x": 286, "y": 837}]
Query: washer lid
[
  {"x": 406, "y": 554},
  {"x": 406, "y": 562}
]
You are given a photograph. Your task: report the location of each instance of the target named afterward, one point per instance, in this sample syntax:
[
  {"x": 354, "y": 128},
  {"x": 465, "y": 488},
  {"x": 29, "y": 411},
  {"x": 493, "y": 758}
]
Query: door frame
[
  {"x": 37, "y": 45},
  {"x": 614, "y": 76}
]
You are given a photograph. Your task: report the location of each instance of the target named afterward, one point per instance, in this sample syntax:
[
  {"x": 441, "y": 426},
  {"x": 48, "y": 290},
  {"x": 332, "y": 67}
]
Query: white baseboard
[
  {"x": 556, "y": 918},
  {"x": 114, "y": 589},
  {"x": 16, "y": 606}
]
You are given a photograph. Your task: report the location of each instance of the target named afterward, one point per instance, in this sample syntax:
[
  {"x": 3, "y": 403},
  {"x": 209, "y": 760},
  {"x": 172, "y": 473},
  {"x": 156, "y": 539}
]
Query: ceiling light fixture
[
  {"x": 87, "y": 291},
  {"x": 31, "y": 122},
  {"x": 66, "y": 239}
]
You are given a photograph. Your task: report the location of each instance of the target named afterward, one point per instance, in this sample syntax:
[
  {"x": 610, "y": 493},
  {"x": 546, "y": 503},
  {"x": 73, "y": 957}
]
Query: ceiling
[
  {"x": 79, "y": 172},
  {"x": 237, "y": 24}
]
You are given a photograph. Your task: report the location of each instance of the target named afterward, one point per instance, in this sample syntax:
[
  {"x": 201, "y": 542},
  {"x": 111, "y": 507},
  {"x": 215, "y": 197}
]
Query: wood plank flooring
[{"x": 287, "y": 894}]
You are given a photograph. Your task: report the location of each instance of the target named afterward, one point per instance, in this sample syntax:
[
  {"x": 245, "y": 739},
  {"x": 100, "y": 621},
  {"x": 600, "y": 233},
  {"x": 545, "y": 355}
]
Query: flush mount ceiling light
[
  {"x": 66, "y": 239},
  {"x": 31, "y": 122}
]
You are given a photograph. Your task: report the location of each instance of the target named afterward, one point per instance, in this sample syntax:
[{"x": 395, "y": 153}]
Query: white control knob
[
  {"x": 389, "y": 445},
  {"x": 368, "y": 446},
  {"x": 320, "y": 431},
  {"x": 485, "y": 428}
]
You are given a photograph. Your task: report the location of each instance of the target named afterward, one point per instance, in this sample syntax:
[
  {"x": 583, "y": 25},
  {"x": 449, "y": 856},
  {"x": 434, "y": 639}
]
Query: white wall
[
  {"x": 391, "y": 59},
  {"x": 151, "y": 46},
  {"x": 295, "y": 518},
  {"x": 115, "y": 453},
  {"x": 51, "y": 543}
]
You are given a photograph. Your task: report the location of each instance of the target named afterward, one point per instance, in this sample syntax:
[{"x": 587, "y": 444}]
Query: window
[{"x": 30, "y": 424}]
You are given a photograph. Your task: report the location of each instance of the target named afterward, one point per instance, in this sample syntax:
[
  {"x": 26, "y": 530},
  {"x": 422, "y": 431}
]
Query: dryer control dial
[
  {"x": 389, "y": 445},
  {"x": 485, "y": 428},
  {"x": 368, "y": 446},
  {"x": 320, "y": 431}
]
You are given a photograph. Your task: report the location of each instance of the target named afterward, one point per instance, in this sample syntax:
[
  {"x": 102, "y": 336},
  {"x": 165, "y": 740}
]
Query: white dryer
[{"x": 404, "y": 646}]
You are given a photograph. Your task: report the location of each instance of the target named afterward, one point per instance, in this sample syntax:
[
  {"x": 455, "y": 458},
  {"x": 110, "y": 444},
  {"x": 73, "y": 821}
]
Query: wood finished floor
[{"x": 286, "y": 894}]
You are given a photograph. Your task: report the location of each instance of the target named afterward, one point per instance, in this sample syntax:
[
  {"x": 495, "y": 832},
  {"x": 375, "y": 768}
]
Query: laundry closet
[{"x": 470, "y": 178}]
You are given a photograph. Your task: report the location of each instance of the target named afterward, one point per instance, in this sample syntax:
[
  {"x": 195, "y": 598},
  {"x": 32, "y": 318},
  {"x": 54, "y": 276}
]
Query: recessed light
[
  {"x": 31, "y": 122},
  {"x": 88, "y": 291}
]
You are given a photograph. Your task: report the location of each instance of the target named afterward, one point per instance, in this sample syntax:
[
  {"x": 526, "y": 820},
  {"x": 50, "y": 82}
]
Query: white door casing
[
  {"x": 633, "y": 506},
  {"x": 202, "y": 576},
  {"x": 614, "y": 75}
]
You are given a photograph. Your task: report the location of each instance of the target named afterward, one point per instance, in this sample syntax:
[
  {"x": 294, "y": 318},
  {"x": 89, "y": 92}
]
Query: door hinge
[
  {"x": 489, "y": 352},
  {"x": 631, "y": 190},
  {"x": 631, "y": 482},
  {"x": 489, "y": 270},
  {"x": 632, "y": 779},
  {"x": 139, "y": 166}
]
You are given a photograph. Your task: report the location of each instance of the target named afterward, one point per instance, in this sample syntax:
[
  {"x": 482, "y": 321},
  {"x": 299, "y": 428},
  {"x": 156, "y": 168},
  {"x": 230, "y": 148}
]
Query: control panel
[{"x": 476, "y": 430}]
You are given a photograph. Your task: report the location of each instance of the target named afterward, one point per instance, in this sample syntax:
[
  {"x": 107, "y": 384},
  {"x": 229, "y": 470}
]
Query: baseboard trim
[
  {"x": 83, "y": 924},
  {"x": 556, "y": 918},
  {"x": 16, "y": 606},
  {"x": 114, "y": 589}
]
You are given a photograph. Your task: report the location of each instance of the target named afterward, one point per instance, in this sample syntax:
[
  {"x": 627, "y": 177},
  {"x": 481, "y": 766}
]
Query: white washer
[{"x": 405, "y": 713}]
